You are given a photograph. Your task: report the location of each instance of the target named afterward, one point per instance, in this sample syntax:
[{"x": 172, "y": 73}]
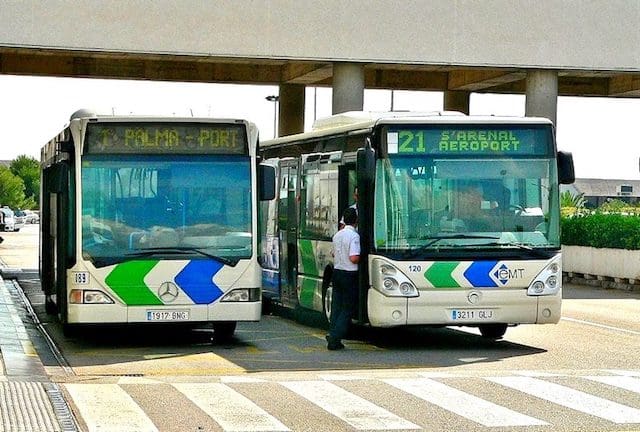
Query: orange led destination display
[{"x": 162, "y": 138}]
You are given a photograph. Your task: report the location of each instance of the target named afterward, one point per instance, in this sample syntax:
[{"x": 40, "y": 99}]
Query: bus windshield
[
  {"x": 431, "y": 202},
  {"x": 191, "y": 206}
]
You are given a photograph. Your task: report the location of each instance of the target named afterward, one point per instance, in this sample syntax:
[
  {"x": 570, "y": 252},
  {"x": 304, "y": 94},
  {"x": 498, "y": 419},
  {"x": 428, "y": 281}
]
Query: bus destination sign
[
  {"x": 162, "y": 138},
  {"x": 466, "y": 141}
]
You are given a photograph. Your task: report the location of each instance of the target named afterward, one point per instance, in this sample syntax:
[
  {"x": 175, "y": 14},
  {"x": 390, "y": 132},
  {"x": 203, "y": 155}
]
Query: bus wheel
[
  {"x": 493, "y": 331},
  {"x": 70, "y": 330},
  {"x": 50, "y": 307},
  {"x": 326, "y": 303},
  {"x": 223, "y": 331}
]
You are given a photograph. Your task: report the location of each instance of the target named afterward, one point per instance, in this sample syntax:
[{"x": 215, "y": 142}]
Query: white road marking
[
  {"x": 438, "y": 375},
  {"x": 623, "y": 382},
  {"x": 463, "y": 404},
  {"x": 107, "y": 408},
  {"x": 230, "y": 379},
  {"x": 341, "y": 377},
  {"x": 536, "y": 373},
  {"x": 570, "y": 398},
  {"x": 230, "y": 409},
  {"x": 358, "y": 412},
  {"x": 137, "y": 380},
  {"x": 604, "y": 326},
  {"x": 623, "y": 372}
]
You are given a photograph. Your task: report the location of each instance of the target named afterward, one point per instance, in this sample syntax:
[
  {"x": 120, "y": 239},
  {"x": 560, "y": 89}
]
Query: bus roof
[
  {"x": 366, "y": 120},
  {"x": 86, "y": 114}
]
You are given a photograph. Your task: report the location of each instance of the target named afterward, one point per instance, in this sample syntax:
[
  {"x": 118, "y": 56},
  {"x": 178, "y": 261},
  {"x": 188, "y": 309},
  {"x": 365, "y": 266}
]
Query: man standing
[
  {"x": 346, "y": 253},
  {"x": 353, "y": 206}
]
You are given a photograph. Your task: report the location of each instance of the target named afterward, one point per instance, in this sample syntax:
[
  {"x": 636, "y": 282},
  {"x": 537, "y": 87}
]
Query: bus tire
[
  {"x": 50, "y": 307},
  {"x": 492, "y": 331},
  {"x": 327, "y": 291},
  {"x": 267, "y": 306},
  {"x": 70, "y": 330},
  {"x": 326, "y": 303},
  {"x": 224, "y": 330}
]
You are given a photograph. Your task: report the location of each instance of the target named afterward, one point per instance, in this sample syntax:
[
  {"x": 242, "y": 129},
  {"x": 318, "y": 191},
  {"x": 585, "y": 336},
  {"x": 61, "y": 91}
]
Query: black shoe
[{"x": 333, "y": 345}]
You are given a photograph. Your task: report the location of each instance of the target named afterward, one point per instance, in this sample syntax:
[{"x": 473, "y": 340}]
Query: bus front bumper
[
  {"x": 463, "y": 308},
  {"x": 118, "y": 314}
]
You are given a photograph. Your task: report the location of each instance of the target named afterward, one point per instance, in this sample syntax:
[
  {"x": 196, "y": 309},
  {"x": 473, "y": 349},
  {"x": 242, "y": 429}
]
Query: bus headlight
[
  {"x": 242, "y": 295},
  {"x": 390, "y": 281},
  {"x": 389, "y": 284},
  {"x": 408, "y": 289},
  {"x": 387, "y": 270},
  {"x": 77, "y": 296},
  {"x": 538, "y": 287},
  {"x": 547, "y": 282}
]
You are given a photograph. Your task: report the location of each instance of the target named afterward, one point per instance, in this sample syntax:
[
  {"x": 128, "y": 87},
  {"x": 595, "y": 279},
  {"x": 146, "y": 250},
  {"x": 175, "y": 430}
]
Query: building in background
[{"x": 599, "y": 191}]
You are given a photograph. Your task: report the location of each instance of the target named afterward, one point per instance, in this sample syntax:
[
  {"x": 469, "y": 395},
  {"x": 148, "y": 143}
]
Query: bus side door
[
  {"x": 288, "y": 232},
  {"x": 57, "y": 239}
]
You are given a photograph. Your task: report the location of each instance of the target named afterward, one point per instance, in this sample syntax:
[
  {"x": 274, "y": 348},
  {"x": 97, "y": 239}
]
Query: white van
[{"x": 8, "y": 222}]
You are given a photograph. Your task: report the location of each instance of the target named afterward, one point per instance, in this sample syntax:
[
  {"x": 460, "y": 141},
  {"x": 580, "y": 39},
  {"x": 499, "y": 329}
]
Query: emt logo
[{"x": 504, "y": 274}]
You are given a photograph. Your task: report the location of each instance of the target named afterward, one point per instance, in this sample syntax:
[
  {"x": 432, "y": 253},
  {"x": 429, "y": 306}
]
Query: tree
[
  {"x": 11, "y": 189},
  {"x": 567, "y": 199},
  {"x": 572, "y": 204},
  {"x": 28, "y": 169}
]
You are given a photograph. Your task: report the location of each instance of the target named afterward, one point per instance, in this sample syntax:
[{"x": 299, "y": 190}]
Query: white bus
[
  {"x": 151, "y": 220},
  {"x": 459, "y": 218}
]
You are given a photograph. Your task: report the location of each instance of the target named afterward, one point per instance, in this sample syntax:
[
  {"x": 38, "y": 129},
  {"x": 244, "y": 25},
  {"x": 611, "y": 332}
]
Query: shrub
[{"x": 602, "y": 230}]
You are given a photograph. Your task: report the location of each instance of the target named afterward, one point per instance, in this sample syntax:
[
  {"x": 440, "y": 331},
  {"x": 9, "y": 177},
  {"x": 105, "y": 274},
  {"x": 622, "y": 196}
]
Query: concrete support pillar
[
  {"x": 348, "y": 87},
  {"x": 457, "y": 100},
  {"x": 542, "y": 94},
  {"x": 291, "y": 109}
]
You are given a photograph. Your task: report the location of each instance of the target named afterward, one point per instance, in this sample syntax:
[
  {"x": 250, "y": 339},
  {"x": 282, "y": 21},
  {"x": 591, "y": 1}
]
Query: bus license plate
[
  {"x": 168, "y": 315},
  {"x": 472, "y": 314}
]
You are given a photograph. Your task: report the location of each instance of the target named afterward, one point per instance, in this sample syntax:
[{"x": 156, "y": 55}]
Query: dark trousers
[{"x": 343, "y": 302}]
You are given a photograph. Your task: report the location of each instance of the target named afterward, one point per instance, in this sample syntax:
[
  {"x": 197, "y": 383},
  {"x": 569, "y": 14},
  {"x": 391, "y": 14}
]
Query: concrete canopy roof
[
  {"x": 437, "y": 45},
  {"x": 47, "y": 62}
]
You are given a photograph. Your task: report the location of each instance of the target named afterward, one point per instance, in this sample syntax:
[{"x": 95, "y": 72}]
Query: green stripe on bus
[
  {"x": 127, "y": 281},
  {"x": 439, "y": 274},
  {"x": 307, "y": 289},
  {"x": 308, "y": 261}
]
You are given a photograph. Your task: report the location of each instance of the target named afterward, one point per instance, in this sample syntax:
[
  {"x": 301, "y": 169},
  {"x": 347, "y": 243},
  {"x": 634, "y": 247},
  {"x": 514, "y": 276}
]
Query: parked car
[
  {"x": 20, "y": 219},
  {"x": 33, "y": 217},
  {"x": 8, "y": 219}
]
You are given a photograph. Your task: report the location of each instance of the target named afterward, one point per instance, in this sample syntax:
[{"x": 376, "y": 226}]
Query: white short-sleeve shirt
[{"x": 346, "y": 243}]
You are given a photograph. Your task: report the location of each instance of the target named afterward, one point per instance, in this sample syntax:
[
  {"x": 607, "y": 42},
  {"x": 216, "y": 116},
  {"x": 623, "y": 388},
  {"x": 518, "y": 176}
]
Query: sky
[{"x": 602, "y": 133}]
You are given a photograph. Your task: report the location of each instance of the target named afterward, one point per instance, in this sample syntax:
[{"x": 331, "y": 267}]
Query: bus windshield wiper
[
  {"x": 181, "y": 250},
  {"x": 437, "y": 238},
  {"x": 528, "y": 248}
]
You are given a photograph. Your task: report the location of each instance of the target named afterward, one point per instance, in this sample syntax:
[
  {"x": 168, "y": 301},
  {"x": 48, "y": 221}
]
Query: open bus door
[
  {"x": 57, "y": 239},
  {"x": 366, "y": 165},
  {"x": 347, "y": 185},
  {"x": 288, "y": 232}
]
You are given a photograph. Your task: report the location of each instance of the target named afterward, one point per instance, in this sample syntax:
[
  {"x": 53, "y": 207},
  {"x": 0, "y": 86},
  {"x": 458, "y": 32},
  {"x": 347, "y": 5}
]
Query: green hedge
[{"x": 601, "y": 230}]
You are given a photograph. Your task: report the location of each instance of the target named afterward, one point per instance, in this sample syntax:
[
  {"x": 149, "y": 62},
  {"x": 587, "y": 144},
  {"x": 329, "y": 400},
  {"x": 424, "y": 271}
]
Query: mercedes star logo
[{"x": 168, "y": 292}]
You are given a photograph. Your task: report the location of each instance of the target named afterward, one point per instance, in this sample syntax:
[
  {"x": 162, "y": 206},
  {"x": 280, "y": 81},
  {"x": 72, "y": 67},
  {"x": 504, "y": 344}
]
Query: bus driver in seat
[{"x": 469, "y": 211}]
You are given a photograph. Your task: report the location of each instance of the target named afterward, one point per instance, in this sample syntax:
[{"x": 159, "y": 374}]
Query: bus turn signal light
[{"x": 78, "y": 296}]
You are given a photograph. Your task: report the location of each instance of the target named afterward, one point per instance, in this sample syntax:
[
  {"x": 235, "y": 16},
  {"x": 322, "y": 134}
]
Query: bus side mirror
[
  {"x": 566, "y": 174},
  {"x": 266, "y": 182},
  {"x": 366, "y": 162}
]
